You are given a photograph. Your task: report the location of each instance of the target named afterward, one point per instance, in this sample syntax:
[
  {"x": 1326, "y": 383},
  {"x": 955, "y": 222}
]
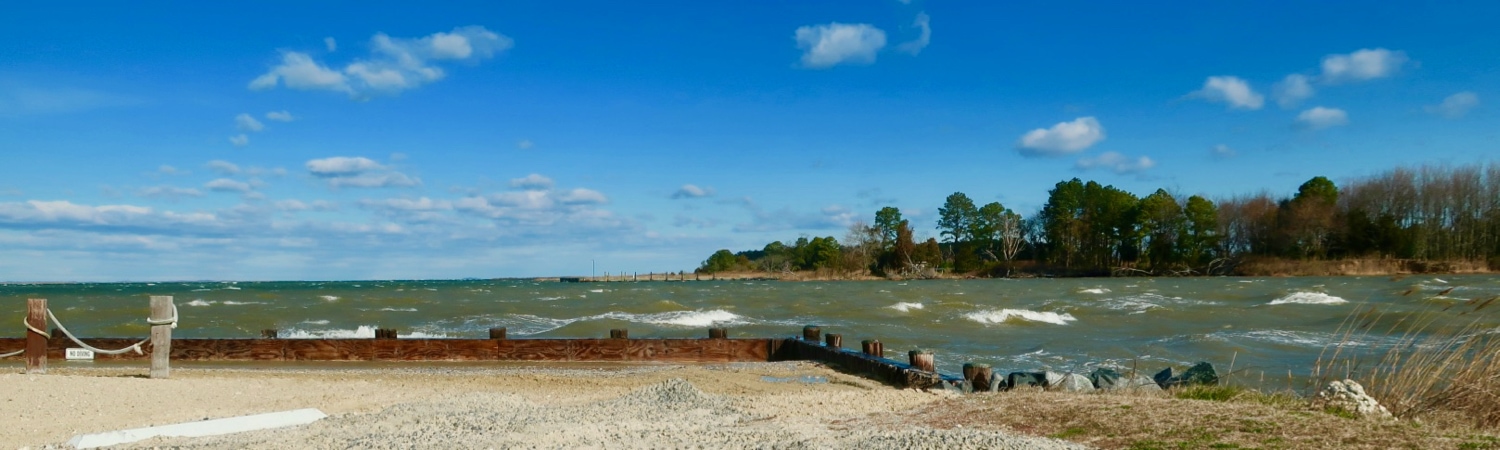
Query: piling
[
  {"x": 872, "y": 347},
  {"x": 497, "y": 333},
  {"x": 36, "y": 342},
  {"x": 269, "y": 333},
  {"x": 385, "y": 333},
  {"x": 834, "y": 340},
  {"x": 163, "y": 318},
  {"x": 718, "y": 333},
  {"x": 619, "y": 333},
  {"x": 978, "y": 375},
  {"x": 811, "y": 333},
  {"x": 922, "y": 360}
]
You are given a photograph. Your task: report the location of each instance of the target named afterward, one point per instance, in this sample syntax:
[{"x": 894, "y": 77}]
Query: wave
[
  {"x": 199, "y": 302},
  {"x": 992, "y": 316},
  {"x": 1308, "y": 298},
  {"x": 399, "y": 309},
  {"x": 906, "y": 306},
  {"x": 330, "y": 298},
  {"x": 1094, "y": 291},
  {"x": 232, "y": 302},
  {"x": 530, "y": 324},
  {"x": 362, "y": 332},
  {"x": 316, "y": 322}
]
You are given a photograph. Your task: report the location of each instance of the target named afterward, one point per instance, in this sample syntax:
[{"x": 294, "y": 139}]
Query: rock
[
  {"x": 1164, "y": 378},
  {"x": 1140, "y": 382},
  {"x": 1348, "y": 395},
  {"x": 1103, "y": 378},
  {"x": 1200, "y": 374},
  {"x": 997, "y": 383},
  {"x": 1023, "y": 379},
  {"x": 1070, "y": 382}
]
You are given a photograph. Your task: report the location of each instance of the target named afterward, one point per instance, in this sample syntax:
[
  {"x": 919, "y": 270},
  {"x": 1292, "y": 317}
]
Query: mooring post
[
  {"x": 36, "y": 342},
  {"x": 978, "y": 375},
  {"x": 163, "y": 316},
  {"x": 497, "y": 333},
  {"x": 718, "y": 333},
  {"x": 834, "y": 340},
  {"x": 619, "y": 333},
  {"x": 269, "y": 333},
  {"x": 385, "y": 333},
  {"x": 922, "y": 360},
  {"x": 872, "y": 347},
  {"x": 811, "y": 333}
]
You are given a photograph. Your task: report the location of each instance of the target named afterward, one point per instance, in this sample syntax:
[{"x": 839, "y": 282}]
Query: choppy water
[{"x": 1269, "y": 325}]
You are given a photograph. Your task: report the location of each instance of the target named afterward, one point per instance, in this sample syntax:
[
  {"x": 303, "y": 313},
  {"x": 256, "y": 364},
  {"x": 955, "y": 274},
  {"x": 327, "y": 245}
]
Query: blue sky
[{"x": 161, "y": 141}]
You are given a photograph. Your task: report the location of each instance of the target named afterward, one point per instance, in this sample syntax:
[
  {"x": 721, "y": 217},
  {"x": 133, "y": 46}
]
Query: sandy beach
[{"x": 762, "y": 405}]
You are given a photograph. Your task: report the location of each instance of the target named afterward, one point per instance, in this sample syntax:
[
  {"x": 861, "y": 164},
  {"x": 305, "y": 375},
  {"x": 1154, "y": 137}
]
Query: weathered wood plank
[{"x": 601, "y": 349}]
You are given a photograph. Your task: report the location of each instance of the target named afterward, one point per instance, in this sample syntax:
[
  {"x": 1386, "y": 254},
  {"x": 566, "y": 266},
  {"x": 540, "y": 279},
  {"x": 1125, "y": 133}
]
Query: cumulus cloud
[
  {"x": 394, "y": 65},
  {"x": 298, "y": 205},
  {"x": 66, "y": 214},
  {"x": 1230, "y": 90},
  {"x": 692, "y": 191},
  {"x": 829, "y": 45},
  {"x": 239, "y": 140},
  {"x": 924, "y": 24},
  {"x": 227, "y": 185},
  {"x": 330, "y": 44},
  {"x": 1455, "y": 106},
  {"x": 1292, "y": 90},
  {"x": 1222, "y": 151},
  {"x": 244, "y": 122},
  {"x": 1319, "y": 118},
  {"x": 1064, "y": 138},
  {"x": 827, "y": 218},
  {"x": 581, "y": 196},
  {"x": 358, "y": 172},
  {"x": 532, "y": 182},
  {"x": 169, "y": 192},
  {"x": 280, "y": 116},
  {"x": 169, "y": 170},
  {"x": 1361, "y": 65},
  {"x": 223, "y": 167},
  {"x": 1116, "y": 163}
]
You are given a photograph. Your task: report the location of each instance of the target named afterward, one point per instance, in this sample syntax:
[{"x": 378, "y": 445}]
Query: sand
[{"x": 434, "y": 405}]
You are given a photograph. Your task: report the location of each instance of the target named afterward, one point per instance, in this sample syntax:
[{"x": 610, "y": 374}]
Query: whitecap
[
  {"x": 232, "y": 302},
  {"x": 362, "y": 332},
  {"x": 329, "y": 297},
  {"x": 597, "y": 291},
  {"x": 1440, "y": 280},
  {"x": 1094, "y": 291},
  {"x": 992, "y": 316},
  {"x": 530, "y": 324},
  {"x": 548, "y": 299},
  {"x": 316, "y": 322},
  {"x": 199, "y": 302},
  {"x": 906, "y": 306},
  {"x": 1308, "y": 298},
  {"x": 399, "y": 309},
  {"x": 232, "y": 288}
]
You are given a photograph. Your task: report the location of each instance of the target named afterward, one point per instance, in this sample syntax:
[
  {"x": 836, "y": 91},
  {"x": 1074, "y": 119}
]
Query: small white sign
[{"x": 76, "y": 354}]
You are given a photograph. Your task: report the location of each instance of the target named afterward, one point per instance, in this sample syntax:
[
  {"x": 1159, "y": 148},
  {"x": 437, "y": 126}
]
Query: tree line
[{"x": 1428, "y": 213}]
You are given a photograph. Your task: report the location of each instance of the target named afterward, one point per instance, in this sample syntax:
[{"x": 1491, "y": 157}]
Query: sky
[{"x": 372, "y": 140}]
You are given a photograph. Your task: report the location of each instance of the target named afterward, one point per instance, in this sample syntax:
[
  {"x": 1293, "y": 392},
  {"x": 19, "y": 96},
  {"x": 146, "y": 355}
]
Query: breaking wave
[
  {"x": 1094, "y": 291},
  {"x": 1001, "y": 316},
  {"x": 363, "y": 332},
  {"x": 906, "y": 306},
  {"x": 199, "y": 302},
  {"x": 1308, "y": 298},
  {"x": 329, "y": 297},
  {"x": 530, "y": 324}
]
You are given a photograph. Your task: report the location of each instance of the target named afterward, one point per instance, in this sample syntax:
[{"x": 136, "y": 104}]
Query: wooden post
[
  {"x": 269, "y": 333},
  {"x": 619, "y": 333},
  {"x": 922, "y": 360},
  {"x": 872, "y": 347},
  {"x": 497, "y": 333},
  {"x": 718, "y": 333},
  {"x": 811, "y": 333},
  {"x": 161, "y": 335},
  {"x": 978, "y": 376},
  {"x": 36, "y": 343},
  {"x": 385, "y": 333},
  {"x": 834, "y": 340}
]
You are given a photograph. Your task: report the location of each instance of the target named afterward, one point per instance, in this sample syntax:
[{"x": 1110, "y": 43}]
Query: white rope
[
  {"x": 28, "y": 327},
  {"x": 14, "y": 353},
  {"x": 136, "y": 347},
  {"x": 167, "y": 321}
]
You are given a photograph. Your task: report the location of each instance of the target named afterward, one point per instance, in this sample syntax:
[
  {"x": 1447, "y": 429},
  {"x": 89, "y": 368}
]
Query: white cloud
[
  {"x": 692, "y": 191},
  {"x": 280, "y": 116},
  {"x": 227, "y": 185},
  {"x": 342, "y": 165},
  {"x": 223, "y": 167},
  {"x": 244, "y": 122},
  {"x": 408, "y": 205},
  {"x": 330, "y": 44},
  {"x": 1361, "y": 65},
  {"x": 1116, "y": 163},
  {"x": 1456, "y": 105},
  {"x": 581, "y": 196},
  {"x": 1062, "y": 139},
  {"x": 374, "y": 180},
  {"x": 394, "y": 65},
  {"x": 1292, "y": 90},
  {"x": 239, "y": 140},
  {"x": 914, "y": 47},
  {"x": 169, "y": 192},
  {"x": 169, "y": 170},
  {"x": 1319, "y": 118},
  {"x": 1222, "y": 151},
  {"x": 298, "y": 205},
  {"x": 532, "y": 182},
  {"x": 838, "y": 43},
  {"x": 524, "y": 144},
  {"x": 1231, "y": 90}
]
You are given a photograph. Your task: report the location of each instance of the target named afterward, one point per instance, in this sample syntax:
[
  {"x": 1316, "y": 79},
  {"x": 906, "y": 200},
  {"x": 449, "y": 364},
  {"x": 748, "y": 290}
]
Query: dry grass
[
  {"x": 1242, "y": 419},
  {"x": 1280, "y": 267}
]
